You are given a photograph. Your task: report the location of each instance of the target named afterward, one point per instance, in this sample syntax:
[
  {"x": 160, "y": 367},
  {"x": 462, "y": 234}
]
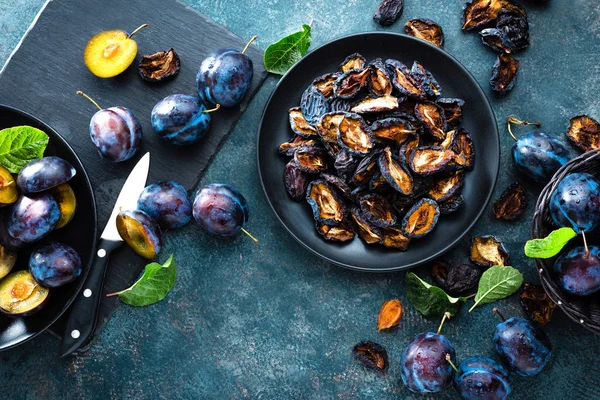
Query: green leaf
[
  {"x": 551, "y": 245},
  {"x": 497, "y": 283},
  {"x": 20, "y": 145},
  {"x": 430, "y": 300},
  {"x": 153, "y": 286},
  {"x": 281, "y": 55}
]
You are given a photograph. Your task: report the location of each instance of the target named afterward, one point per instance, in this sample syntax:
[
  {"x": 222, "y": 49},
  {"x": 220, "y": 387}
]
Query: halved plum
[
  {"x": 7, "y": 261},
  {"x": 140, "y": 232},
  {"x": 67, "y": 203},
  {"x": 21, "y": 295},
  {"x": 8, "y": 187}
]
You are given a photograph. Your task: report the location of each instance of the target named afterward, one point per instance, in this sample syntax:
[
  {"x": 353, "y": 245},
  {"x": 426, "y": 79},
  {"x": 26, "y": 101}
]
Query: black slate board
[{"x": 44, "y": 73}]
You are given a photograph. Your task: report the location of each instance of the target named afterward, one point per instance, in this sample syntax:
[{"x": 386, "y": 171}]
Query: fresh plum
[
  {"x": 575, "y": 202},
  {"x": 167, "y": 203},
  {"x": 140, "y": 232},
  {"x": 43, "y": 174},
  {"x": 54, "y": 265},
  {"x": 33, "y": 217},
  {"x": 578, "y": 271}
]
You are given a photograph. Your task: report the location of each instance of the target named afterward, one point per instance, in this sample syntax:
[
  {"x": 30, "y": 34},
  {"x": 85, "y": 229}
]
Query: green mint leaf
[
  {"x": 153, "y": 286},
  {"x": 497, "y": 283},
  {"x": 281, "y": 55},
  {"x": 551, "y": 245},
  {"x": 430, "y": 300},
  {"x": 20, "y": 145}
]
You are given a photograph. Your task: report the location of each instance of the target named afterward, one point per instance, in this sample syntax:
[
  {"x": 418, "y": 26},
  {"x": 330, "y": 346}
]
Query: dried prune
[
  {"x": 354, "y": 135},
  {"x": 480, "y": 13},
  {"x": 421, "y": 218},
  {"x": 345, "y": 164},
  {"x": 351, "y": 83},
  {"x": 313, "y": 105},
  {"x": 325, "y": 84},
  {"x": 536, "y": 303},
  {"x": 409, "y": 146},
  {"x": 487, "y": 251},
  {"x": 327, "y": 206},
  {"x": 338, "y": 233},
  {"x": 452, "y": 110},
  {"x": 393, "y": 237},
  {"x": 367, "y": 232},
  {"x": 452, "y": 204},
  {"x": 433, "y": 119},
  {"x": 497, "y": 40},
  {"x": 376, "y": 105},
  {"x": 407, "y": 107},
  {"x": 371, "y": 355},
  {"x": 378, "y": 183},
  {"x": 504, "y": 73},
  {"x": 353, "y": 61},
  {"x": 295, "y": 181},
  {"x": 380, "y": 82},
  {"x": 388, "y": 11},
  {"x": 332, "y": 148},
  {"x": 455, "y": 279},
  {"x": 432, "y": 159},
  {"x": 394, "y": 129},
  {"x": 299, "y": 125},
  {"x": 446, "y": 186},
  {"x": 464, "y": 148},
  {"x": 338, "y": 104},
  {"x": 515, "y": 27},
  {"x": 426, "y": 79},
  {"x": 511, "y": 204},
  {"x": 390, "y": 314},
  {"x": 394, "y": 171},
  {"x": 377, "y": 210},
  {"x": 328, "y": 125},
  {"x": 425, "y": 29},
  {"x": 289, "y": 148},
  {"x": 310, "y": 159},
  {"x": 338, "y": 184},
  {"x": 584, "y": 132},
  {"x": 159, "y": 66},
  {"x": 450, "y": 140},
  {"x": 403, "y": 81}
]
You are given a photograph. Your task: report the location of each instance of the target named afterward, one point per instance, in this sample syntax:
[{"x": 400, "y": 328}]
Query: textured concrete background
[{"x": 270, "y": 320}]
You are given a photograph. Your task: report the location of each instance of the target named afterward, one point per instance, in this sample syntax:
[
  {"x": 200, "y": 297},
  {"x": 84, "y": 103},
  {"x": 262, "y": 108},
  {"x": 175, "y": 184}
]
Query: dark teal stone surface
[{"x": 272, "y": 321}]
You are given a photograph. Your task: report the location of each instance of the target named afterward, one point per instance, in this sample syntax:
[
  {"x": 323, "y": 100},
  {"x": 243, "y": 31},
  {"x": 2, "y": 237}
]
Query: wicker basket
[{"x": 583, "y": 310}]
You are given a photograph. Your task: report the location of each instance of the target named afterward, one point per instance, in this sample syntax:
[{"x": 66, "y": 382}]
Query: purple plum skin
[
  {"x": 423, "y": 365},
  {"x": 539, "y": 155},
  {"x": 578, "y": 273},
  {"x": 116, "y": 133},
  {"x": 167, "y": 203},
  {"x": 180, "y": 119},
  {"x": 54, "y": 265},
  {"x": 220, "y": 209},
  {"x": 224, "y": 77},
  {"x": 480, "y": 378},
  {"x": 6, "y": 240},
  {"x": 43, "y": 174},
  {"x": 33, "y": 218},
  {"x": 575, "y": 202}
]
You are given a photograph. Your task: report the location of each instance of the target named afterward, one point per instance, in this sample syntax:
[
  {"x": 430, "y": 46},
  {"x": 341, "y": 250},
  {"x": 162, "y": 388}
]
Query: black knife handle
[{"x": 84, "y": 310}]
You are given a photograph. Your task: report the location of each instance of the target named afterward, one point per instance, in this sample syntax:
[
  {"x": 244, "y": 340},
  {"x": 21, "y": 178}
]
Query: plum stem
[
  {"x": 444, "y": 318},
  {"x": 79, "y": 92},
  {"x": 212, "y": 109},
  {"x": 113, "y": 294},
  {"x": 250, "y": 235},
  {"x": 136, "y": 30},
  {"x": 585, "y": 245},
  {"x": 252, "y": 39},
  {"x": 499, "y": 314},
  {"x": 449, "y": 359},
  {"x": 514, "y": 120}
]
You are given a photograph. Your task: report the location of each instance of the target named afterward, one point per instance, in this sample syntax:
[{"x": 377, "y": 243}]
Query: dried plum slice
[
  {"x": 313, "y": 105},
  {"x": 432, "y": 159},
  {"x": 450, "y": 140},
  {"x": 351, "y": 83},
  {"x": 431, "y": 115},
  {"x": 446, "y": 186},
  {"x": 504, "y": 73},
  {"x": 393, "y": 237},
  {"x": 464, "y": 148},
  {"x": 403, "y": 81},
  {"x": 515, "y": 27},
  {"x": 537, "y": 304},
  {"x": 380, "y": 82},
  {"x": 407, "y": 107},
  {"x": 295, "y": 181},
  {"x": 584, "y": 132},
  {"x": 332, "y": 148},
  {"x": 345, "y": 164},
  {"x": 377, "y": 210},
  {"x": 327, "y": 206},
  {"x": 310, "y": 159},
  {"x": 338, "y": 184},
  {"x": 289, "y": 148},
  {"x": 299, "y": 125},
  {"x": 159, "y": 66},
  {"x": 378, "y": 184},
  {"x": 480, "y": 13},
  {"x": 366, "y": 168},
  {"x": 388, "y": 11},
  {"x": 497, "y": 40},
  {"x": 371, "y": 355},
  {"x": 370, "y": 105},
  {"x": 354, "y": 135},
  {"x": 455, "y": 279},
  {"x": 425, "y": 29},
  {"x": 452, "y": 110},
  {"x": 337, "y": 233},
  {"x": 426, "y": 79},
  {"x": 421, "y": 218},
  {"x": 487, "y": 251},
  {"x": 511, "y": 204},
  {"x": 328, "y": 125},
  {"x": 396, "y": 130},
  {"x": 367, "y": 232},
  {"x": 353, "y": 61},
  {"x": 325, "y": 84},
  {"x": 337, "y": 104},
  {"x": 394, "y": 171},
  {"x": 409, "y": 146},
  {"x": 452, "y": 204}
]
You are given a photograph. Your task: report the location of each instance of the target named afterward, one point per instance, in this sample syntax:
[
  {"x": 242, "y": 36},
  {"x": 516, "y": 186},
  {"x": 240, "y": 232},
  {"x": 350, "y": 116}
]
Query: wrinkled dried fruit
[
  {"x": 464, "y": 148},
  {"x": 394, "y": 238},
  {"x": 388, "y": 11},
  {"x": 299, "y": 125},
  {"x": 450, "y": 140},
  {"x": 451, "y": 205},
  {"x": 426, "y": 79},
  {"x": 425, "y": 29},
  {"x": 455, "y": 279},
  {"x": 371, "y": 355},
  {"x": 390, "y": 314},
  {"x": 353, "y": 61},
  {"x": 446, "y": 186},
  {"x": 504, "y": 73},
  {"x": 345, "y": 164},
  {"x": 310, "y": 159},
  {"x": 332, "y": 148},
  {"x": 338, "y": 184},
  {"x": 480, "y": 13},
  {"x": 313, "y": 105},
  {"x": 351, "y": 83},
  {"x": 403, "y": 81},
  {"x": 584, "y": 132},
  {"x": 511, "y": 205},
  {"x": 452, "y": 110},
  {"x": 367, "y": 232},
  {"x": 159, "y": 66},
  {"x": 432, "y": 159},
  {"x": 487, "y": 251},
  {"x": 354, "y": 135},
  {"x": 338, "y": 233},
  {"x": 327, "y": 206},
  {"x": 515, "y": 27},
  {"x": 377, "y": 210},
  {"x": 295, "y": 181},
  {"x": 433, "y": 119},
  {"x": 289, "y": 148},
  {"x": 376, "y": 105},
  {"x": 421, "y": 218},
  {"x": 394, "y": 171},
  {"x": 328, "y": 126},
  {"x": 378, "y": 184},
  {"x": 537, "y": 304},
  {"x": 409, "y": 146},
  {"x": 325, "y": 84},
  {"x": 497, "y": 40},
  {"x": 380, "y": 82},
  {"x": 396, "y": 130},
  {"x": 338, "y": 104}
]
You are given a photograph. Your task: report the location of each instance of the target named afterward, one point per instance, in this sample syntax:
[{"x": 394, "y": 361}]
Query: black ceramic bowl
[
  {"x": 79, "y": 234},
  {"x": 455, "y": 80}
]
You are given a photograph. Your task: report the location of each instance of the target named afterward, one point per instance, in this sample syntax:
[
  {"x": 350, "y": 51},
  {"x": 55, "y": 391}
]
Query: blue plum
[
  {"x": 43, "y": 174},
  {"x": 578, "y": 271},
  {"x": 481, "y": 378},
  {"x": 522, "y": 346},
  {"x": 576, "y": 202},
  {"x": 6, "y": 240},
  {"x": 220, "y": 209},
  {"x": 33, "y": 217},
  {"x": 167, "y": 203},
  {"x": 181, "y": 119},
  {"x": 54, "y": 265},
  {"x": 140, "y": 232},
  {"x": 225, "y": 76},
  {"x": 539, "y": 155}
]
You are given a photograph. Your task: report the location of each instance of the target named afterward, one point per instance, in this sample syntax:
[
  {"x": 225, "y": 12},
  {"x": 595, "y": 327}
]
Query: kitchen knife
[{"x": 85, "y": 307}]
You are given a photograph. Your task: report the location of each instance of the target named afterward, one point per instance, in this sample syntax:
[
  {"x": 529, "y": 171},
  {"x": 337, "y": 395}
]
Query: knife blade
[{"x": 85, "y": 307}]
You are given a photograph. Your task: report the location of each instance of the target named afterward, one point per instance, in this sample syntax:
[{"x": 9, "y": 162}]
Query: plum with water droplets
[{"x": 575, "y": 202}]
